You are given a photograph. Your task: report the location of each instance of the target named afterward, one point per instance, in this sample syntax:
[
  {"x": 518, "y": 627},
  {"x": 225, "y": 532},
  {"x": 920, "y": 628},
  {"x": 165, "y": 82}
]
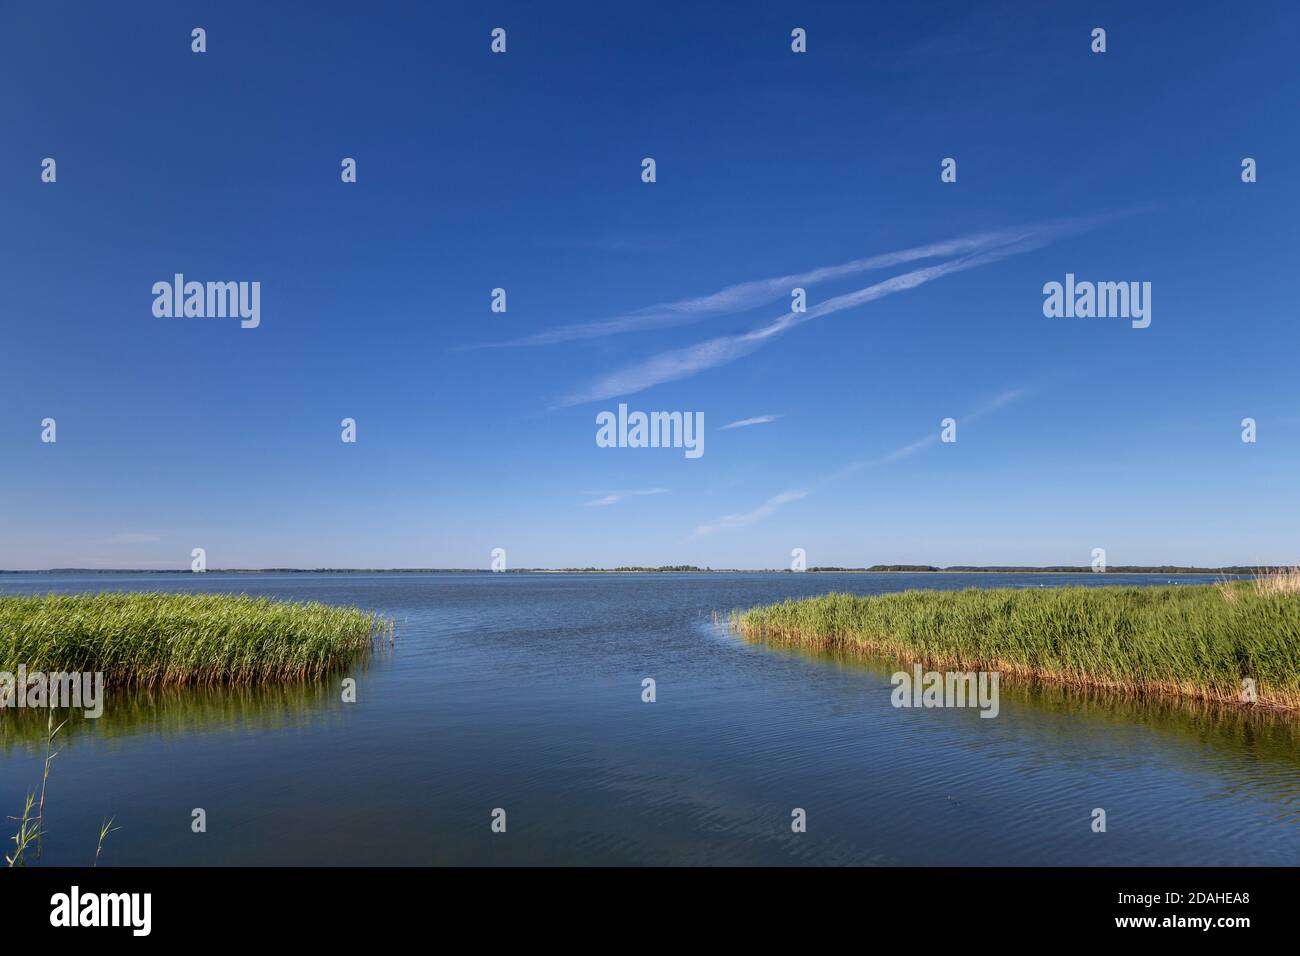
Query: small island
[
  {"x": 1234, "y": 642},
  {"x": 157, "y": 640}
]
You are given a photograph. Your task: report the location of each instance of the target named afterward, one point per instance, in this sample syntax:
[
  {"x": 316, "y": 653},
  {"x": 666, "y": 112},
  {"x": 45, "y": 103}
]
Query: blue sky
[{"x": 523, "y": 171}]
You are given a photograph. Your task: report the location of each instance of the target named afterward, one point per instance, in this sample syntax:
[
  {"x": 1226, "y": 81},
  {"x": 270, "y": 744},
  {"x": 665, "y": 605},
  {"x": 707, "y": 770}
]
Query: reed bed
[
  {"x": 158, "y": 640},
  {"x": 1193, "y": 641}
]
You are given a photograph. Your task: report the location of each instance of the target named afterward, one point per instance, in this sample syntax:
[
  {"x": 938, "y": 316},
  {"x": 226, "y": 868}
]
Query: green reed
[
  {"x": 158, "y": 640},
  {"x": 1197, "y": 641}
]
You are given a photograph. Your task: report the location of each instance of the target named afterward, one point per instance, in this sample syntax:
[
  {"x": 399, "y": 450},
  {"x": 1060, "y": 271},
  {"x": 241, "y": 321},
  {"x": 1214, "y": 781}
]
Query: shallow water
[{"x": 523, "y": 692}]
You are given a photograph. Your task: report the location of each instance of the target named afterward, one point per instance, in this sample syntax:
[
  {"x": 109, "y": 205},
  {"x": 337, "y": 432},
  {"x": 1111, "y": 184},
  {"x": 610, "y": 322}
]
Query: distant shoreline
[{"x": 875, "y": 569}]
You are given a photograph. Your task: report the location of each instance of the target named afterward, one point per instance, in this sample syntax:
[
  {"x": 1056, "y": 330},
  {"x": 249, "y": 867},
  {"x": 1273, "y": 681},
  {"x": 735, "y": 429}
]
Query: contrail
[
  {"x": 682, "y": 363},
  {"x": 747, "y": 422},
  {"x": 749, "y": 295},
  {"x": 744, "y": 518}
]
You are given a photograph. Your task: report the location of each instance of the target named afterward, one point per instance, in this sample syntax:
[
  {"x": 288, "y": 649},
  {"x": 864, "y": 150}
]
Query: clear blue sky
[{"x": 523, "y": 171}]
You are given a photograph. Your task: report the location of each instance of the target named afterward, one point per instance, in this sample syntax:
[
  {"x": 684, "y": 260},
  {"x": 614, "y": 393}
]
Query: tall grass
[
  {"x": 158, "y": 640},
  {"x": 1286, "y": 581},
  {"x": 1197, "y": 641},
  {"x": 31, "y": 824},
  {"x": 105, "y": 829}
]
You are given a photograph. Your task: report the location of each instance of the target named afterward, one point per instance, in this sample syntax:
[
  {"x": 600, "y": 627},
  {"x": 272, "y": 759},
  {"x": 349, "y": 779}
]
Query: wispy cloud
[
  {"x": 682, "y": 363},
  {"x": 614, "y": 497},
  {"x": 746, "y": 422},
  {"x": 732, "y": 521},
  {"x": 749, "y": 295},
  {"x": 1001, "y": 400}
]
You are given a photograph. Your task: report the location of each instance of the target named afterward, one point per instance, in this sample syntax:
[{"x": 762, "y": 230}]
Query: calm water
[{"x": 524, "y": 692}]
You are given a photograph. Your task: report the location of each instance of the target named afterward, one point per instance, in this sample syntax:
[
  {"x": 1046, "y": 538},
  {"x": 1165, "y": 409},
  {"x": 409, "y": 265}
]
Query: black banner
[{"x": 301, "y": 905}]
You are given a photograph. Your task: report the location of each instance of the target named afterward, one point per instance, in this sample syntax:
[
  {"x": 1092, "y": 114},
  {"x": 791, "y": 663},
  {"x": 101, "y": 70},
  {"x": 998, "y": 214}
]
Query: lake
[{"x": 524, "y": 692}]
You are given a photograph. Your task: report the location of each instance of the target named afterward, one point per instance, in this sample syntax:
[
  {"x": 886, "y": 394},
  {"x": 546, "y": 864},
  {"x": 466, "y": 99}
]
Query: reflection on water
[
  {"x": 524, "y": 692},
  {"x": 176, "y": 711},
  {"x": 1257, "y": 748}
]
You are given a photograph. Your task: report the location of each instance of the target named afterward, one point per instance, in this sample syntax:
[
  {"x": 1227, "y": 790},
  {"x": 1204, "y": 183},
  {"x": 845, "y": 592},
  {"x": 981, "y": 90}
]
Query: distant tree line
[{"x": 692, "y": 568}]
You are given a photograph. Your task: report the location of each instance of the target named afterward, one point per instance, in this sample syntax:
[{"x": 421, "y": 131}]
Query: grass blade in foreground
[
  {"x": 1197, "y": 641},
  {"x": 156, "y": 639}
]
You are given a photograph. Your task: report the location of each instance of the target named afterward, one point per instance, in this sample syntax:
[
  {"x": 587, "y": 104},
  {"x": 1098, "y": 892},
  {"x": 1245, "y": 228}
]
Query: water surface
[{"x": 523, "y": 692}]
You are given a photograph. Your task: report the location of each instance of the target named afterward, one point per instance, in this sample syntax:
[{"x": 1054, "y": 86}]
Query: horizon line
[{"x": 695, "y": 569}]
